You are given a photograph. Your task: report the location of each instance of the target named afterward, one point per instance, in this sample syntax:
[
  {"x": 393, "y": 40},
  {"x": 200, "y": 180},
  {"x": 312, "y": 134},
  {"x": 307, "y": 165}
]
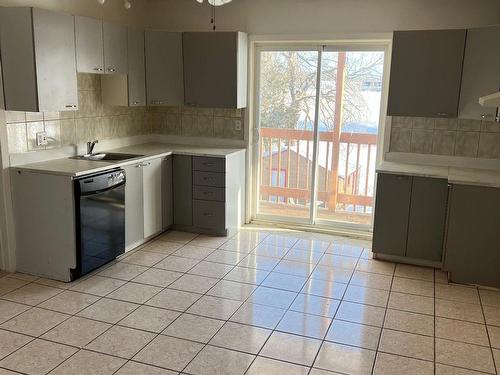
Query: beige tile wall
[
  {"x": 95, "y": 120},
  {"x": 198, "y": 122},
  {"x": 451, "y": 137}
]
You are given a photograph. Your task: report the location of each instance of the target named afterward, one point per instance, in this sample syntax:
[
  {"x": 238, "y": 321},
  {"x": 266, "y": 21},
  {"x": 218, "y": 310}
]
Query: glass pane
[
  {"x": 350, "y": 95},
  {"x": 287, "y": 112}
]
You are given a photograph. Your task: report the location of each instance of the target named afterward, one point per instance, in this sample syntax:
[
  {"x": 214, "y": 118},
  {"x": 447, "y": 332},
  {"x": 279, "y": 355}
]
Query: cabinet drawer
[
  {"x": 209, "y": 164},
  {"x": 209, "y": 179},
  {"x": 209, "y": 215},
  {"x": 209, "y": 193}
]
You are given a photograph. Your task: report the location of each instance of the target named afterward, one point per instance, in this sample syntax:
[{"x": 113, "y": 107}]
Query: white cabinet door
[
  {"x": 168, "y": 193},
  {"x": 115, "y": 48},
  {"x": 134, "y": 211},
  {"x": 164, "y": 69},
  {"x": 136, "y": 68},
  {"x": 152, "y": 195},
  {"x": 54, "y": 38},
  {"x": 89, "y": 45}
]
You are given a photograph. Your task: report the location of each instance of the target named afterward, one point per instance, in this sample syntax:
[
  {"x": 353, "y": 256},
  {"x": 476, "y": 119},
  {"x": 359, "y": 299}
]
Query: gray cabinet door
[
  {"x": 18, "y": 63},
  {"x": 426, "y": 70},
  {"x": 89, "y": 45},
  {"x": 115, "y": 48},
  {"x": 473, "y": 235},
  {"x": 167, "y": 192},
  {"x": 164, "y": 70},
  {"x": 134, "y": 207},
  {"x": 136, "y": 68},
  {"x": 152, "y": 193},
  {"x": 211, "y": 69},
  {"x": 392, "y": 208},
  {"x": 54, "y": 37},
  {"x": 183, "y": 190},
  {"x": 481, "y": 73},
  {"x": 429, "y": 197}
]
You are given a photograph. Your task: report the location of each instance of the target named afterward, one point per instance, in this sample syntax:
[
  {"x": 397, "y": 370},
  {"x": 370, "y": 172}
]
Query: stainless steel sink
[{"x": 107, "y": 156}]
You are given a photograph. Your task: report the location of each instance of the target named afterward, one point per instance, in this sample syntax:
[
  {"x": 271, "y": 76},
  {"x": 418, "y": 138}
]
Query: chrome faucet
[{"x": 90, "y": 146}]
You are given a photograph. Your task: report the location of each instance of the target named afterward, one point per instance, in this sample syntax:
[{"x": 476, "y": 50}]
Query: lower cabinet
[
  {"x": 410, "y": 216},
  {"x": 183, "y": 190},
  {"x": 473, "y": 235},
  {"x": 146, "y": 196},
  {"x": 209, "y": 193}
]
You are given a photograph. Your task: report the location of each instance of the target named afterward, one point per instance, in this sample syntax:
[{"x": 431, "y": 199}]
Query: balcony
[{"x": 345, "y": 174}]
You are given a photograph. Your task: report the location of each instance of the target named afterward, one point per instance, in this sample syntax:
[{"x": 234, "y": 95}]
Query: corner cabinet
[
  {"x": 128, "y": 90},
  {"x": 481, "y": 73},
  {"x": 209, "y": 193},
  {"x": 215, "y": 69},
  {"x": 101, "y": 47},
  {"x": 38, "y": 60},
  {"x": 164, "y": 70},
  {"x": 473, "y": 235},
  {"x": 426, "y": 71},
  {"x": 410, "y": 217}
]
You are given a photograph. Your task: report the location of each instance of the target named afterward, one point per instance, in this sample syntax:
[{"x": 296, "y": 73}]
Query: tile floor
[{"x": 262, "y": 302}]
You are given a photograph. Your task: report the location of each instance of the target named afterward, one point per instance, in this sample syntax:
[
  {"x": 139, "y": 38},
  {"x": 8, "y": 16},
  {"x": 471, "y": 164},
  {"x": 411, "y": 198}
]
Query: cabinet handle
[
  {"x": 208, "y": 193},
  {"x": 70, "y": 106},
  {"x": 98, "y": 69},
  {"x": 135, "y": 102},
  {"x": 209, "y": 164},
  {"x": 484, "y": 116},
  {"x": 442, "y": 114},
  {"x": 111, "y": 69},
  {"x": 208, "y": 214}
]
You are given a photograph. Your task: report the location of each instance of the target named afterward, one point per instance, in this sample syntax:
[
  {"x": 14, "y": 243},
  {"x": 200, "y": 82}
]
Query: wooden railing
[{"x": 342, "y": 182}]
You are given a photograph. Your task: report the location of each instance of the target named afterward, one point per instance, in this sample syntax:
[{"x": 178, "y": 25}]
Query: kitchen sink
[{"x": 107, "y": 156}]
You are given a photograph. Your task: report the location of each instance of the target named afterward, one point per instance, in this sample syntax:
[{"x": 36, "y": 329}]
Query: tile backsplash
[
  {"x": 443, "y": 136},
  {"x": 95, "y": 120},
  {"x": 199, "y": 122}
]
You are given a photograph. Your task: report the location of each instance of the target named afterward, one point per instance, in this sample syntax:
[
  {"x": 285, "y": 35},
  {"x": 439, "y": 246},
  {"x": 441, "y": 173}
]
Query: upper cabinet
[
  {"x": 101, "y": 47},
  {"x": 481, "y": 73},
  {"x": 38, "y": 60},
  {"x": 115, "y": 48},
  {"x": 215, "y": 69},
  {"x": 89, "y": 45},
  {"x": 426, "y": 70},
  {"x": 136, "y": 68},
  {"x": 128, "y": 90},
  {"x": 164, "y": 70}
]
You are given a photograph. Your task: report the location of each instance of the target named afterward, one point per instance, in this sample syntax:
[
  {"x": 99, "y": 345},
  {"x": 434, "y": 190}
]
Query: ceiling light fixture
[
  {"x": 215, "y": 3},
  {"x": 127, "y": 4}
]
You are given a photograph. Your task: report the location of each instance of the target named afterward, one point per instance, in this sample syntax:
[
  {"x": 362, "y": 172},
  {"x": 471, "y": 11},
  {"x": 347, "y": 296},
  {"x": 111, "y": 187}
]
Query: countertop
[
  {"x": 466, "y": 176},
  {"x": 78, "y": 167}
]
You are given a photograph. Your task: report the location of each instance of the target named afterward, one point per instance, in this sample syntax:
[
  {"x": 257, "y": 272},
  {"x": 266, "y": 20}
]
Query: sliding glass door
[{"x": 318, "y": 115}]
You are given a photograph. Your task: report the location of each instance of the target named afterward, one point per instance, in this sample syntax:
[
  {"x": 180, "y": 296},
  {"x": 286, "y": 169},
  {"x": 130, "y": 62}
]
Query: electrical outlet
[
  {"x": 237, "y": 125},
  {"x": 41, "y": 139}
]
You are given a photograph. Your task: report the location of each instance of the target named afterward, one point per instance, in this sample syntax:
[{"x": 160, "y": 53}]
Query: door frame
[{"x": 380, "y": 42}]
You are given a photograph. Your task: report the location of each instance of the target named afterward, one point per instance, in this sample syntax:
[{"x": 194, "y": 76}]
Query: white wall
[
  {"x": 112, "y": 10},
  {"x": 322, "y": 16}
]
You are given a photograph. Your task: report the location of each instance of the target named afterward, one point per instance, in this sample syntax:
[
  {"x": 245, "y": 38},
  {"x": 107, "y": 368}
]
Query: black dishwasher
[{"x": 100, "y": 220}]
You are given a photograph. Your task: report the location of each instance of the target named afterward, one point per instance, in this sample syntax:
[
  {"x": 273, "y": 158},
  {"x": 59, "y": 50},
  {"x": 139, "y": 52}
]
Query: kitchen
[{"x": 131, "y": 193}]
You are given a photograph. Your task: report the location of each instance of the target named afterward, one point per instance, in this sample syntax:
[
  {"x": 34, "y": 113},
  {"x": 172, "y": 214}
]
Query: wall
[
  {"x": 450, "y": 137},
  {"x": 322, "y": 16},
  {"x": 198, "y": 122},
  {"x": 112, "y": 10},
  {"x": 93, "y": 120}
]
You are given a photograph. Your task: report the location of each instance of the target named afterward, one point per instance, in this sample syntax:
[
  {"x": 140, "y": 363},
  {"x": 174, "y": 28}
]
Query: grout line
[
  {"x": 487, "y": 332},
  {"x": 383, "y": 324}
]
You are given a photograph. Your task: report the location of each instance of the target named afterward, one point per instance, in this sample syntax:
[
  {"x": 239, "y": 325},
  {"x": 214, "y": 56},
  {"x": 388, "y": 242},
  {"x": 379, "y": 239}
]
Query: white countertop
[
  {"x": 78, "y": 167},
  {"x": 466, "y": 176}
]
